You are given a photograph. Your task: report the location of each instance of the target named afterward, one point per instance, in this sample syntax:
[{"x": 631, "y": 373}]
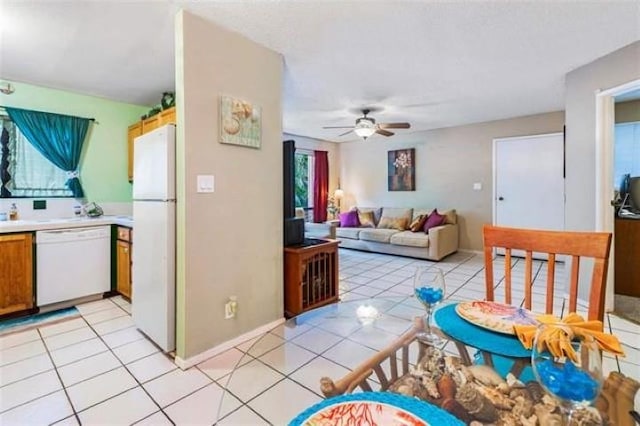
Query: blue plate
[{"x": 378, "y": 408}]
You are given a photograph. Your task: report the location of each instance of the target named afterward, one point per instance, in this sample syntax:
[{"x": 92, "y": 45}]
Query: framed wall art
[
  {"x": 239, "y": 122},
  {"x": 401, "y": 172}
]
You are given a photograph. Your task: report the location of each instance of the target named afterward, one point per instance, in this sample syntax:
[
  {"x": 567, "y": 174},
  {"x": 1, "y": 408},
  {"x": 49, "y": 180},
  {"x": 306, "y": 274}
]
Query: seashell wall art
[{"x": 239, "y": 122}]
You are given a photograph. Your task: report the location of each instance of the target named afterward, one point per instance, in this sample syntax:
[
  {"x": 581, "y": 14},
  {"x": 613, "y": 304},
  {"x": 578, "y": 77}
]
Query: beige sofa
[
  {"x": 318, "y": 230},
  {"x": 438, "y": 243}
]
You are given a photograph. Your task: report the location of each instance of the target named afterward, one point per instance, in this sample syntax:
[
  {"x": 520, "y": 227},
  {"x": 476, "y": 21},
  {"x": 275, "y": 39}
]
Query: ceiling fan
[{"x": 366, "y": 126}]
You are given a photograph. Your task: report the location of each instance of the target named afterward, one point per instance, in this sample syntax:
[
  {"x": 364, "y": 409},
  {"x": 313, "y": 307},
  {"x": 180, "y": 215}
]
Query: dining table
[{"x": 390, "y": 323}]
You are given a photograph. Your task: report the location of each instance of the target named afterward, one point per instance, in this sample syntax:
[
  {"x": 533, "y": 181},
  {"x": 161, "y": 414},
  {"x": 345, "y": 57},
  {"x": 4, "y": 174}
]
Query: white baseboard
[
  {"x": 471, "y": 251},
  {"x": 197, "y": 359}
]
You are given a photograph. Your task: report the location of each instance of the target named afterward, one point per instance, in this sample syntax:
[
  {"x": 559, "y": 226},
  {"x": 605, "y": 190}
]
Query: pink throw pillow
[
  {"x": 349, "y": 219},
  {"x": 434, "y": 219}
]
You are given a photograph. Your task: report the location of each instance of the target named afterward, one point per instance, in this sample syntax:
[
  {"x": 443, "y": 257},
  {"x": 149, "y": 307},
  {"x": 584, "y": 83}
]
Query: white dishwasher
[{"x": 72, "y": 263}]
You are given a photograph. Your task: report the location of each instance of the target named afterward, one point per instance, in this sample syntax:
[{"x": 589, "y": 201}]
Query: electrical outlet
[
  {"x": 39, "y": 204},
  {"x": 228, "y": 311},
  {"x": 231, "y": 307}
]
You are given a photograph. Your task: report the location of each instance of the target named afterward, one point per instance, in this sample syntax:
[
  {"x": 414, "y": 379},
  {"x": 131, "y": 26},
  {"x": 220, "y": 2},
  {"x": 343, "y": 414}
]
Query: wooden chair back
[{"x": 594, "y": 245}]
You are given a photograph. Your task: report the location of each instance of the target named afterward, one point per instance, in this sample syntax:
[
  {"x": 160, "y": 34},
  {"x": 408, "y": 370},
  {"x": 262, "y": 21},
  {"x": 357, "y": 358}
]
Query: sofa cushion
[
  {"x": 393, "y": 212},
  {"x": 434, "y": 219},
  {"x": 452, "y": 217},
  {"x": 377, "y": 235},
  {"x": 367, "y": 219},
  {"x": 349, "y": 219},
  {"x": 377, "y": 212},
  {"x": 411, "y": 239},
  {"x": 418, "y": 223},
  {"x": 351, "y": 233},
  {"x": 399, "y": 223}
]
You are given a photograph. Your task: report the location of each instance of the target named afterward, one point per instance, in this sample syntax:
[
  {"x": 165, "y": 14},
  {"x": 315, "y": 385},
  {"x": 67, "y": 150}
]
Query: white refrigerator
[{"x": 154, "y": 246}]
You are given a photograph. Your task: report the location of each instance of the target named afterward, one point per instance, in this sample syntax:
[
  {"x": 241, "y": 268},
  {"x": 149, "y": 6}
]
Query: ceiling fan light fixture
[
  {"x": 364, "y": 132},
  {"x": 365, "y": 127}
]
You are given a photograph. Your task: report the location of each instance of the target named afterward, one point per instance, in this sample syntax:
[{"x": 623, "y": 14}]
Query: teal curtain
[{"x": 59, "y": 138}]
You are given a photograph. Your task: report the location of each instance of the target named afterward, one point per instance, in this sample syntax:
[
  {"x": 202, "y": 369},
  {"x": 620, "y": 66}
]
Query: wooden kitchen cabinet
[
  {"x": 168, "y": 116},
  {"x": 134, "y": 131},
  {"x": 16, "y": 273},
  {"x": 150, "y": 124},
  {"x": 123, "y": 262}
]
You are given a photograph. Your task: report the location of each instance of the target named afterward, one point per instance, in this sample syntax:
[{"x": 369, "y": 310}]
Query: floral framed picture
[
  {"x": 401, "y": 172},
  {"x": 239, "y": 122}
]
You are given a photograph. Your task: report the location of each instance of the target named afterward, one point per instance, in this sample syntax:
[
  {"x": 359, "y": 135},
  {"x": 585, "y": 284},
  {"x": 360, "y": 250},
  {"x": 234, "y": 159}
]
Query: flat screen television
[{"x": 634, "y": 193}]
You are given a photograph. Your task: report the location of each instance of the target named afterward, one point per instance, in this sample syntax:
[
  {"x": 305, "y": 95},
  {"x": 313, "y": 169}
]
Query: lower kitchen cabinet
[
  {"x": 123, "y": 261},
  {"x": 16, "y": 273}
]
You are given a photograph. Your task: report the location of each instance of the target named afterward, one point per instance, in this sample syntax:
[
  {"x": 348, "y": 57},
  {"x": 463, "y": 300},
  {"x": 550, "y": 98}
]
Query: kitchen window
[{"x": 24, "y": 172}]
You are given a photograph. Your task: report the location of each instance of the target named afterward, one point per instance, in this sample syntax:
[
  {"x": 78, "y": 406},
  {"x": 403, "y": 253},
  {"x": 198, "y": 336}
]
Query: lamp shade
[{"x": 338, "y": 193}]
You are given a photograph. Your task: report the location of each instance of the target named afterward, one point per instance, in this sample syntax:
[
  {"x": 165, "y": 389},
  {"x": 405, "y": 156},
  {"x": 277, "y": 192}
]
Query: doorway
[
  {"x": 605, "y": 187},
  {"x": 529, "y": 182}
]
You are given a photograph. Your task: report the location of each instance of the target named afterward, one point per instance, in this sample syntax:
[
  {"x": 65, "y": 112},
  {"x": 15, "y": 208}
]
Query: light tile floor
[{"x": 98, "y": 369}]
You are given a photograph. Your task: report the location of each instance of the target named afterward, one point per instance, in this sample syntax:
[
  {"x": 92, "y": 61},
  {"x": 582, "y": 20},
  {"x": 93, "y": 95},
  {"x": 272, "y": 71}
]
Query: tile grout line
[
  {"x": 371, "y": 265},
  {"x": 129, "y": 372},
  {"x": 64, "y": 388}
]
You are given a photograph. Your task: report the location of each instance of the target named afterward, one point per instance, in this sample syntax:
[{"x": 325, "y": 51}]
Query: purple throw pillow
[
  {"x": 434, "y": 219},
  {"x": 349, "y": 219}
]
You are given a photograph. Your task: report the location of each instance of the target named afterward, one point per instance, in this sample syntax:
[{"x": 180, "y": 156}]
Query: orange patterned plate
[
  {"x": 495, "y": 316},
  {"x": 374, "y": 409}
]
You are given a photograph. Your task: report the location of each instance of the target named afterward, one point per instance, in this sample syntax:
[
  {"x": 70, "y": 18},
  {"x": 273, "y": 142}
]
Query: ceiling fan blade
[
  {"x": 337, "y": 127},
  {"x": 345, "y": 133},
  {"x": 394, "y": 125},
  {"x": 384, "y": 132}
]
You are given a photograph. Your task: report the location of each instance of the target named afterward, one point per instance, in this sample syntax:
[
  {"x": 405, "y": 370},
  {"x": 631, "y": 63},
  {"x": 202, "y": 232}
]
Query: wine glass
[
  {"x": 429, "y": 288},
  {"x": 573, "y": 378}
]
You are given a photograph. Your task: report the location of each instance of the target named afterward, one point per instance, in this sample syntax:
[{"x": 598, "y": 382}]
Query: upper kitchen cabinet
[
  {"x": 168, "y": 116},
  {"x": 16, "y": 273},
  {"x": 135, "y": 130}
]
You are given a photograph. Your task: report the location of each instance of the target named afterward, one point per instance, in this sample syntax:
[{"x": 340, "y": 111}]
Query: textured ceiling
[{"x": 432, "y": 63}]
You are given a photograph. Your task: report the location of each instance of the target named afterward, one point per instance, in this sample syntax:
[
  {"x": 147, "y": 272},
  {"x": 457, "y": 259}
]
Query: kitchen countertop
[{"x": 62, "y": 223}]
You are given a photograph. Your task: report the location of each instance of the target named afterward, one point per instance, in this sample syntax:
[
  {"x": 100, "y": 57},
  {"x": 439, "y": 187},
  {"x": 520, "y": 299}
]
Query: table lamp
[{"x": 338, "y": 194}]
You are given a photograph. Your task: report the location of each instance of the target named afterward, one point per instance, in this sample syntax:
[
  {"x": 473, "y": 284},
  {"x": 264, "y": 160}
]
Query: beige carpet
[{"x": 627, "y": 307}]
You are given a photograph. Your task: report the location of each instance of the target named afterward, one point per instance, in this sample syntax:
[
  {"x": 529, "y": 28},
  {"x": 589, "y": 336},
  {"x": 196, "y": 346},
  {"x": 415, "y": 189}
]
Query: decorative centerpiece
[{"x": 477, "y": 394}]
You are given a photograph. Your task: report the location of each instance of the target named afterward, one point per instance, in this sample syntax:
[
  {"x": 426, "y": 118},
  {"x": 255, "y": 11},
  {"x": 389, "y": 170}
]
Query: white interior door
[{"x": 529, "y": 182}]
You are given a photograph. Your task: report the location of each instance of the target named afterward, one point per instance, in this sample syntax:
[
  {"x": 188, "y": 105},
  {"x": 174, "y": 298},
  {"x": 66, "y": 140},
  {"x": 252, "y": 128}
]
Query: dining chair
[{"x": 575, "y": 245}]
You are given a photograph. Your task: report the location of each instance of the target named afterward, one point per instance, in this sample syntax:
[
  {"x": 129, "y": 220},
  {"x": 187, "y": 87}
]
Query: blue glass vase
[
  {"x": 429, "y": 289},
  {"x": 576, "y": 380}
]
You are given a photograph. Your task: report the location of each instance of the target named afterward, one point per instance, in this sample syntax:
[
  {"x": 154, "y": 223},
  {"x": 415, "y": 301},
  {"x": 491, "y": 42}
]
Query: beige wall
[
  {"x": 627, "y": 112},
  {"x": 332, "y": 148},
  {"x": 582, "y": 84},
  {"x": 230, "y": 241},
  {"x": 609, "y": 71},
  {"x": 448, "y": 162}
]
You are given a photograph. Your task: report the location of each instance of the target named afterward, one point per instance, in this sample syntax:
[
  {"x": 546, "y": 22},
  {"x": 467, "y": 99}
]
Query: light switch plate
[
  {"x": 205, "y": 183},
  {"x": 477, "y": 186}
]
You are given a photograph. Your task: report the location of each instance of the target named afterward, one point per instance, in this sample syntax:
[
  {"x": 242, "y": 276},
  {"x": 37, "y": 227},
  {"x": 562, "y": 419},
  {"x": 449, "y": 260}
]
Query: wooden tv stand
[
  {"x": 627, "y": 253},
  {"x": 310, "y": 276}
]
